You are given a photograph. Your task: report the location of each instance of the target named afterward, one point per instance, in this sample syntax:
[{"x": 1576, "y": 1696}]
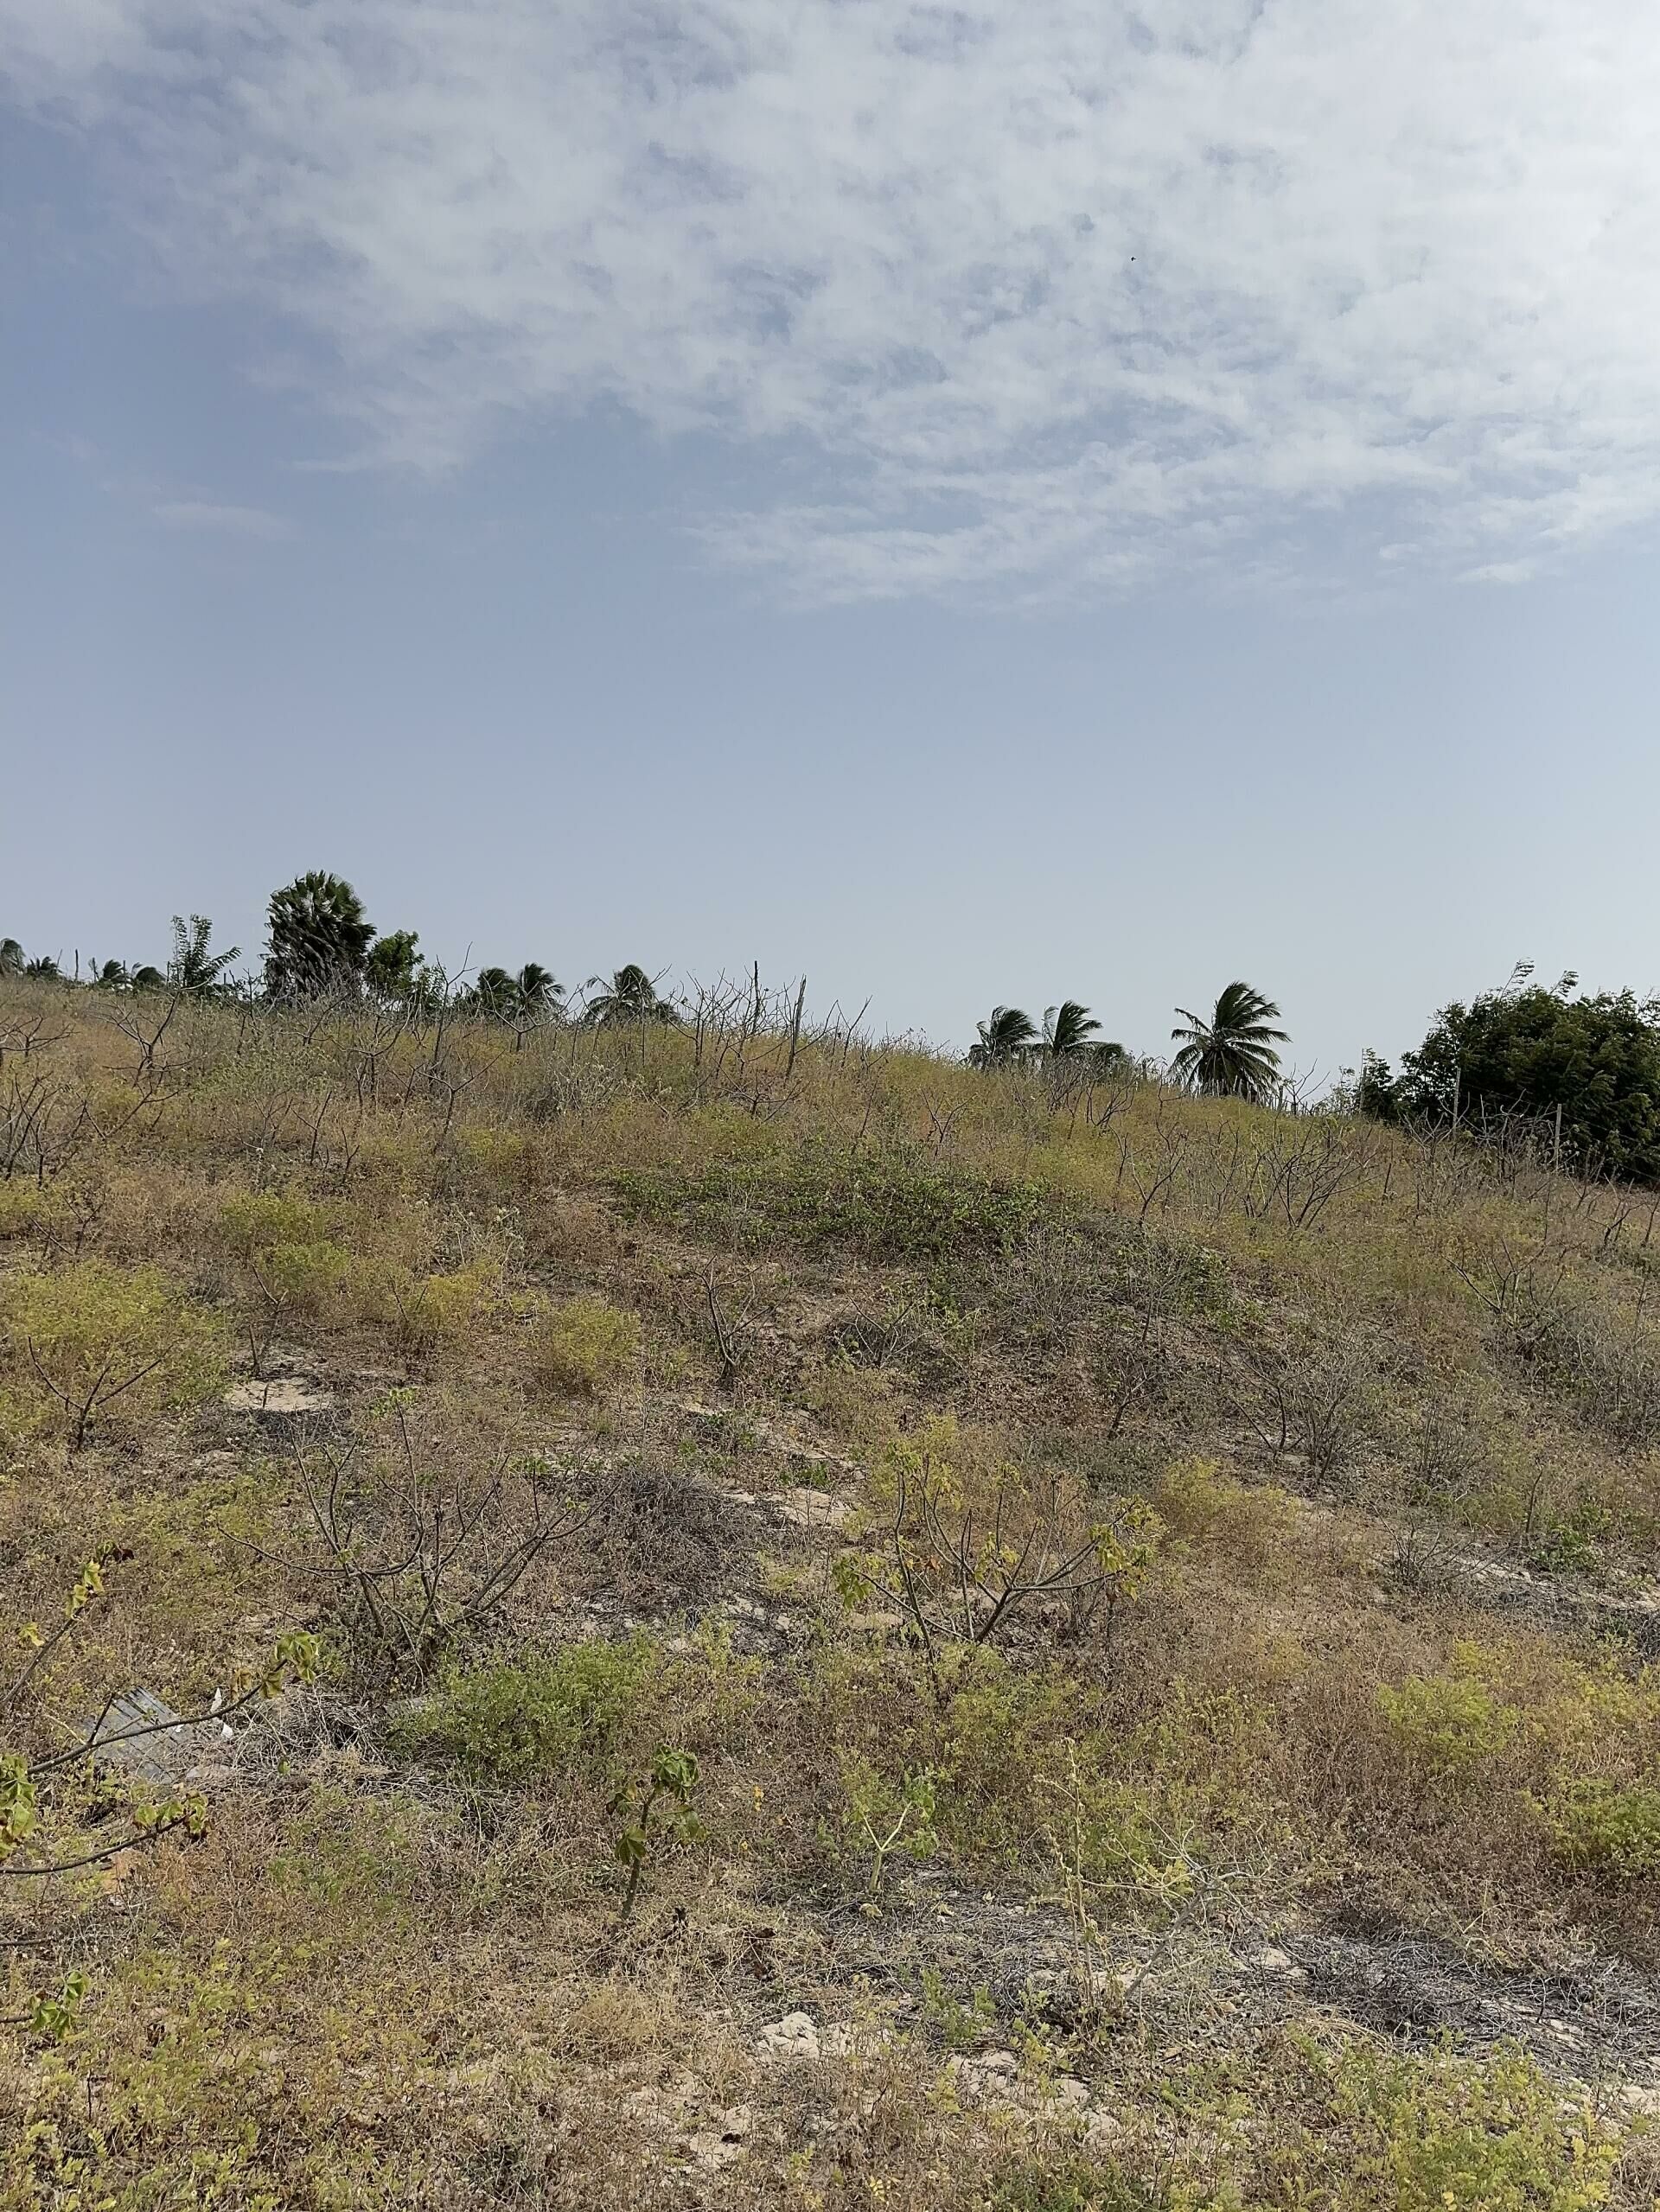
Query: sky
[{"x": 972, "y": 505}]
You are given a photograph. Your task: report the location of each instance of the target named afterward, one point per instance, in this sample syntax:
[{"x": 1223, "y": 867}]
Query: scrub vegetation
[{"x": 773, "y": 1620}]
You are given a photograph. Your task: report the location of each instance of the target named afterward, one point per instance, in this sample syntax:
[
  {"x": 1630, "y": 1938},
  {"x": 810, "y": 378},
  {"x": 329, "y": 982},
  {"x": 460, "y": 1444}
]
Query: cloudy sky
[{"x": 972, "y": 503}]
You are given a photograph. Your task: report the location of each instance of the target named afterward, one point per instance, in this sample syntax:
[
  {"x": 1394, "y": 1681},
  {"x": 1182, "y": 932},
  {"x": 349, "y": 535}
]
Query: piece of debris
[{"x": 164, "y": 1747}]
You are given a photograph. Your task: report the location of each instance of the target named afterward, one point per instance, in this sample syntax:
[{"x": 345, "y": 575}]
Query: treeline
[{"x": 1578, "y": 1073}]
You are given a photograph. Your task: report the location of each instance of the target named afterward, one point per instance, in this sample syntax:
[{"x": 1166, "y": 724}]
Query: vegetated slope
[{"x": 845, "y": 1629}]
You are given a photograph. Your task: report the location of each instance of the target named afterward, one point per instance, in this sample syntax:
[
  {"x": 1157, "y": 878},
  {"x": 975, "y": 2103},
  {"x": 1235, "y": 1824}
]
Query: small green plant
[
  {"x": 1597, "y": 1827},
  {"x": 584, "y": 1347},
  {"x": 658, "y": 1811},
  {"x": 102, "y": 1342},
  {"x": 959, "y": 2026},
  {"x": 884, "y": 1818}
]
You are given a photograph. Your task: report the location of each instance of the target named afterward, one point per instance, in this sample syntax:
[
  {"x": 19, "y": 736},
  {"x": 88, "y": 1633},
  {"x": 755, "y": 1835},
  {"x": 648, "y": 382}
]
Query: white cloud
[
  {"x": 211, "y": 515},
  {"x": 1011, "y": 297}
]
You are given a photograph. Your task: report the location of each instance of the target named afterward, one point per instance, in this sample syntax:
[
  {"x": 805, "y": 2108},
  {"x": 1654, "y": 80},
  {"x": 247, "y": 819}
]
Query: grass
[{"x": 685, "y": 1406}]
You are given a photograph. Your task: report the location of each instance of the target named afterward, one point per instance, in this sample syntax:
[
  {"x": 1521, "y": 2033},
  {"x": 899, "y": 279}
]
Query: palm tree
[
  {"x": 1006, "y": 1037},
  {"x": 1068, "y": 1029},
  {"x": 13, "y": 960},
  {"x": 1232, "y": 1055},
  {"x": 148, "y": 979},
  {"x": 537, "y": 991},
  {"x": 110, "y": 975},
  {"x": 493, "y": 994},
  {"x": 632, "y": 998},
  {"x": 193, "y": 969},
  {"x": 43, "y": 968},
  {"x": 320, "y": 938}
]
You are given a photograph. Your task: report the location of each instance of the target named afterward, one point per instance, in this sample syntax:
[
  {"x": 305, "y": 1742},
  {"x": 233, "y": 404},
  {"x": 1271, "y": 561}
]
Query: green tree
[
  {"x": 1528, "y": 1050},
  {"x": 393, "y": 969},
  {"x": 110, "y": 975},
  {"x": 148, "y": 979},
  {"x": 631, "y": 997},
  {"x": 13, "y": 960},
  {"x": 194, "y": 969},
  {"x": 539, "y": 993},
  {"x": 1068, "y": 1030},
  {"x": 493, "y": 995},
  {"x": 1006, "y": 1037},
  {"x": 1232, "y": 1055},
  {"x": 319, "y": 939},
  {"x": 43, "y": 968}
]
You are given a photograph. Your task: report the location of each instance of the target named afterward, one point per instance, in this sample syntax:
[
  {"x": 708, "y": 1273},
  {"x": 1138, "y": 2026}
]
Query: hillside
[{"x": 799, "y": 1624}]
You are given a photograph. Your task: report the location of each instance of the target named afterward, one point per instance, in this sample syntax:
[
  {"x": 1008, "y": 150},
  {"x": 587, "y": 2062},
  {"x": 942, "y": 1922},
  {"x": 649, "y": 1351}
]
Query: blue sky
[{"x": 971, "y": 505}]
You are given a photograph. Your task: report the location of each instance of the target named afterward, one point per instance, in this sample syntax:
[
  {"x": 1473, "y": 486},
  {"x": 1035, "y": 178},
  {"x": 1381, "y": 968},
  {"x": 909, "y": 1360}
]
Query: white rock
[{"x": 794, "y": 2036}]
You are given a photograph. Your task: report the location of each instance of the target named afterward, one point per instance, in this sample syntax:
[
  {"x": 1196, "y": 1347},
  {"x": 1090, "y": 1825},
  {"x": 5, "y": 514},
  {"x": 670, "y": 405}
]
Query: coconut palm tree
[
  {"x": 1006, "y": 1037},
  {"x": 537, "y": 991},
  {"x": 1068, "y": 1030},
  {"x": 632, "y": 998},
  {"x": 193, "y": 970},
  {"x": 43, "y": 968},
  {"x": 110, "y": 975},
  {"x": 148, "y": 979},
  {"x": 320, "y": 938},
  {"x": 1232, "y": 1055},
  {"x": 13, "y": 960}
]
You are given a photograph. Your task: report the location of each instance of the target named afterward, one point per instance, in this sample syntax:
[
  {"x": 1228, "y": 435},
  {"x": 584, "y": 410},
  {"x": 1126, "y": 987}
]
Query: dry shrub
[
  {"x": 1252, "y": 1528},
  {"x": 584, "y": 1347}
]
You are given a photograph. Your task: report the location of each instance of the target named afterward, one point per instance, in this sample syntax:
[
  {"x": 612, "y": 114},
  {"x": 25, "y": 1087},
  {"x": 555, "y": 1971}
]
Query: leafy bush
[
  {"x": 254, "y": 1221},
  {"x": 1439, "y": 2136},
  {"x": 1450, "y": 1727},
  {"x": 99, "y": 1344},
  {"x": 1601, "y": 1828},
  {"x": 896, "y": 1203},
  {"x": 526, "y": 1722},
  {"x": 582, "y": 1348}
]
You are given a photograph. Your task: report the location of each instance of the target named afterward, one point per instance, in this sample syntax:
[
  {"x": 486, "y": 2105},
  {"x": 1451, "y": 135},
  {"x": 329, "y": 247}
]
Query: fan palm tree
[
  {"x": 1005, "y": 1038},
  {"x": 13, "y": 960},
  {"x": 1068, "y": 1030},
  {"x": 632, "y": 998},
  {"x": 1232, "y": 1055},
  {"x": 193, "y": 969},
  {"x": 320, "y": 938}
]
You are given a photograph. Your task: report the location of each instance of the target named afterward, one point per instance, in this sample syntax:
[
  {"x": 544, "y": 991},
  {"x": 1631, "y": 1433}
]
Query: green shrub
[
  {"x": 526, "y": 1722},
  {"x": 583, "y": 1347},
  {"x": 254, "y": 1221},
  {"x": 1601, "y": 1828},
  {"x": 1450, "y": 1727},
  {"x": 897, "y": 1201},
  {"x": 97, "y": 1345},
  {"x": 303, "y": 1275},
  {"x": 1438, "y": 2135}
]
